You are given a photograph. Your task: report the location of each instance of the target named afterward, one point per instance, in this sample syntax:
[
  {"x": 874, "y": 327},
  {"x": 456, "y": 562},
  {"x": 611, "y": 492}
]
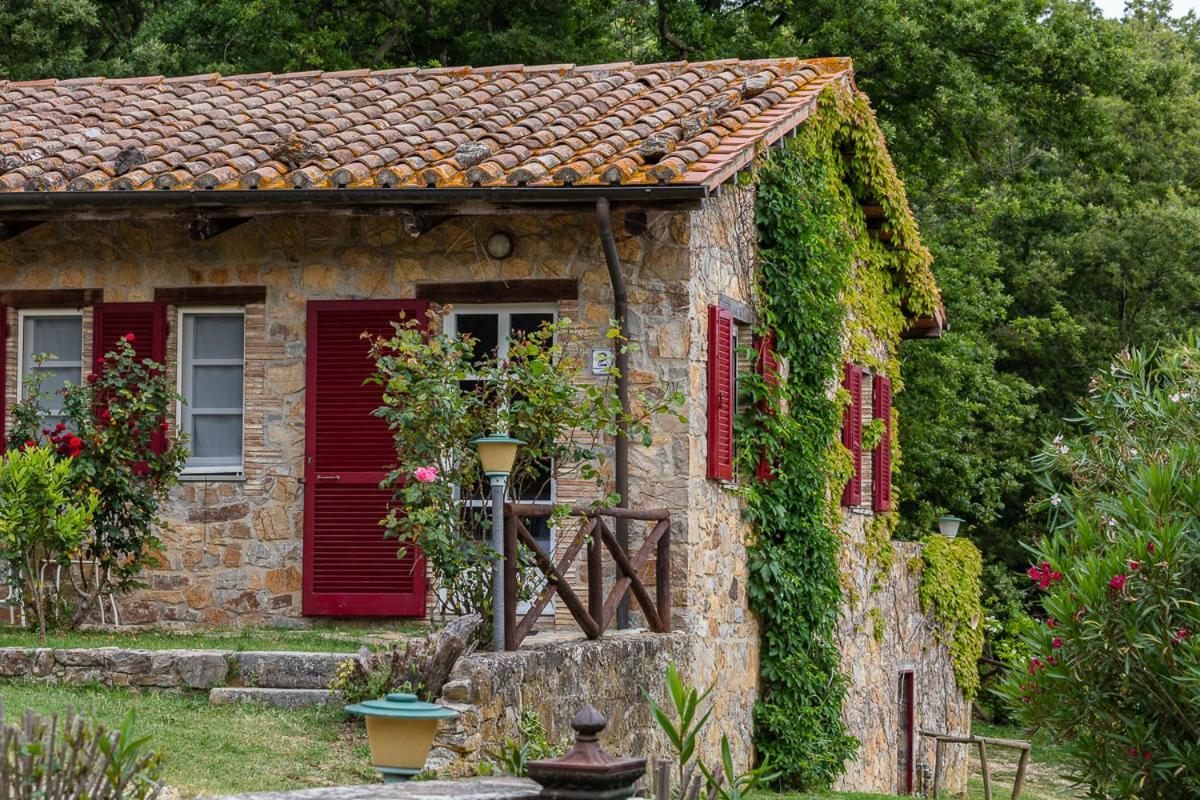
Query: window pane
[
  {"x": 61, "y": 336},
  {"x": 529, "y": 323},
  {"x": 216, "y": 387},
  {"x": 484, "y": 328},
  {"x": 53, "y": 381},
  {"x": 217, "y": 336},
  {"x": 217, "y": 436}
]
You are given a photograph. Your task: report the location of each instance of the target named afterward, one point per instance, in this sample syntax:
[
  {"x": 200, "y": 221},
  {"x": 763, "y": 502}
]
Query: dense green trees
[{"x": 1051, "y": 156}]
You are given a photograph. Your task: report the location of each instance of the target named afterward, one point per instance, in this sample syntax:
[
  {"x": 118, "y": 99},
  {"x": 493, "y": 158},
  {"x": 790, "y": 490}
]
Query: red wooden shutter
[
  {"x": 721, "y": 364},
  {"x": 881, "y": 471},
  {"x": 768, "y": 367},
  {"x": 852, "y": 433},
  {"x": 148, "y": 324}
]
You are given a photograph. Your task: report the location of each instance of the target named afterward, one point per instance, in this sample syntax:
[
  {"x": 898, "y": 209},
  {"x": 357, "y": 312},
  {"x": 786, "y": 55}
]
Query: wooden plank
[
  {"x": 662, "y": 575},
  {"x": 210, "y": 295},
  {"x": 595, "y": 573},
  {"x": 517, "y": 291},
  {"x": 543, "y": 599},
  {"x": 51, "y": 298}
]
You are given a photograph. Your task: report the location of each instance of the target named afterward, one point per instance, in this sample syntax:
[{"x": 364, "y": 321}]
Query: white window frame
[
  {"x": 505, "y": 311},
  {"x": 25, "y": 313},
  {"x": 201, "y": 470}
]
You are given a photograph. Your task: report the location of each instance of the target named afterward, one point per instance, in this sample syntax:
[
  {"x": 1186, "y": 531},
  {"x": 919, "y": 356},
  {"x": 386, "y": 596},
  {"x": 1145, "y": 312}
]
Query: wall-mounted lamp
[{"x": 499, "y": 245}]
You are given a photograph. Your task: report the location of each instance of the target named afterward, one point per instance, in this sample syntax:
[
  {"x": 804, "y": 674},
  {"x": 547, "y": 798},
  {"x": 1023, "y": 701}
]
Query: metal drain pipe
[{"x": 620, "y": 313}]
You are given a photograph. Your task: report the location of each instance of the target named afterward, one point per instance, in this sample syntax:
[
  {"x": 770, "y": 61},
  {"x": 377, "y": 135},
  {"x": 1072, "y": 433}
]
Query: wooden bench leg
[
  {"x": 1019, "y": 781},
  {"x": 983, "y": 764}
]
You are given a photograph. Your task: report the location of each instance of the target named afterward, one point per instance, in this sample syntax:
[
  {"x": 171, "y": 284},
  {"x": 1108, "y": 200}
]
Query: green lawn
[
  {"x": 332, "y": 640},
  {"x": 219, "y": 749}
]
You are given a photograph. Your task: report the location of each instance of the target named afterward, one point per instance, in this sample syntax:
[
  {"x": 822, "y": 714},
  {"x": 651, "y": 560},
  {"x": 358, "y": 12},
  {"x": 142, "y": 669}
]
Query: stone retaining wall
[{"x": 170, "y": 669}]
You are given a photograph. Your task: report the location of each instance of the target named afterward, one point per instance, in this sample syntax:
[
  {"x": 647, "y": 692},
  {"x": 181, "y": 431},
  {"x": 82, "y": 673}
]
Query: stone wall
[{"x": 881, "y": 632}]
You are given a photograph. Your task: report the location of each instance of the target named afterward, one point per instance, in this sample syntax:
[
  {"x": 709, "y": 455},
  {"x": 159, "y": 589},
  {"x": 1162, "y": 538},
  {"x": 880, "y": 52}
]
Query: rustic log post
[
  {"x": 662, "y": 579},
  {"x": 983, "y": 765},
  {"x": 1019, "y": 781},
  {"x": 595, "y": 573},
  {"x": 937, "y": 768}
]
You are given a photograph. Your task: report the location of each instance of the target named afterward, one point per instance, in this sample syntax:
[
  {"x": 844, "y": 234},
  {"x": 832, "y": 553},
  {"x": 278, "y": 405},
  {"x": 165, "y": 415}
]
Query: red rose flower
[
  {"x": 129, "y": 337},
  {"x": 62, "y": 426},
  {"x": 92, "y": 377},
  {"x": 162, "y": 426}
]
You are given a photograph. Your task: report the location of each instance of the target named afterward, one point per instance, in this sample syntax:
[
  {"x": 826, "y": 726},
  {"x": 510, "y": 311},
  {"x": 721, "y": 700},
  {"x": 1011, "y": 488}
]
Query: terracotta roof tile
[{"x": 553, "y": 124}]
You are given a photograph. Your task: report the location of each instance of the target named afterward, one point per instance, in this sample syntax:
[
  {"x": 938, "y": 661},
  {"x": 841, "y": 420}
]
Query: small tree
[
  {"x": 115, "y": 434},
  {"x": 437, "y": 397},
  {"x": 1115, "y": 666},
  {"x": 43, "y": 522}
]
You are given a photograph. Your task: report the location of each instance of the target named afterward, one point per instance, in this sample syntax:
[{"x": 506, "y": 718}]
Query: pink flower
[
  {"x": 426, "y": 474},
  {"x": 1179, "y": 635},
  {"x": 129, "y": 337},
  {"x": 1035, "y": 664},
  {"x": 1043, "y": 575},
  {"x": 1051, "y": 622},
  {"x": 1057, "y": 643},
  {"x": 1149, "y": 547},
  {"x": 1134, "y": 566},
  {"x": 1118, "y": 582}
]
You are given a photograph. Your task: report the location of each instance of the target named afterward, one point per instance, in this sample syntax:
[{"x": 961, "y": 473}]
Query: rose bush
[
  {"x": 438, "y": 396},
  {"x": 115, "y": 439},
  {"x": 1113, "y": 669}
]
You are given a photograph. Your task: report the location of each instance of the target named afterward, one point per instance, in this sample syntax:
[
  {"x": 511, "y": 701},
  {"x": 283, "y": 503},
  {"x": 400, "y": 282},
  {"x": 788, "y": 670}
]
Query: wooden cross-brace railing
[
  {"x": 594, "y": 534},
  {"x": 942, "y": 739}
]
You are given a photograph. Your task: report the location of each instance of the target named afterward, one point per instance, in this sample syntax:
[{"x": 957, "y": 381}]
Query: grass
[
  {"x": 329, "y": 640},
  {"x": 213, "y": 750}
]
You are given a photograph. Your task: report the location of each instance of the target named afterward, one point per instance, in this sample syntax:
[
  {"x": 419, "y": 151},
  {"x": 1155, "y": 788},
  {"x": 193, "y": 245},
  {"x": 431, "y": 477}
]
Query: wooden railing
[{"x": 596, "y": 614}]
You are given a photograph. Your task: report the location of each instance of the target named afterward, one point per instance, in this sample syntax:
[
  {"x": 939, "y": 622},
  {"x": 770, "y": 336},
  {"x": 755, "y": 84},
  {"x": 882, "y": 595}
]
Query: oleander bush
[{"x": 1114, "y": 667}]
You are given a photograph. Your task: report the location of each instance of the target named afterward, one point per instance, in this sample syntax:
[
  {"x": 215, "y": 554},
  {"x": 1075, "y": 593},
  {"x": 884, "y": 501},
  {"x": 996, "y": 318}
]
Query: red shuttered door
[
  {"x": 881, "y": 471},
  {"x": 350, "y": 569}
]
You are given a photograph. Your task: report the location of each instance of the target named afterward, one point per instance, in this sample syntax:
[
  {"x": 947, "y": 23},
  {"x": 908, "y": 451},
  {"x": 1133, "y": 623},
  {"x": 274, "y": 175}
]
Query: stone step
[
  {"x": 279, "y": 698},
  {"x": 285, "y": 670}
]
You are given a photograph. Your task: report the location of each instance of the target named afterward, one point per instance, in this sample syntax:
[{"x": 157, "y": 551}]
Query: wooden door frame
[
  {"x": 910, "y": 729},
  {"x": 310, "y": 604}
]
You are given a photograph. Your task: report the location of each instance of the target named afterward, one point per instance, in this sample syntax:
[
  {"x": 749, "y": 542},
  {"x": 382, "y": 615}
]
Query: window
[
  {"x": 211, "y": 369},
  {"x": 52, "y": 349},
  {"x": 491, "y": 327}
]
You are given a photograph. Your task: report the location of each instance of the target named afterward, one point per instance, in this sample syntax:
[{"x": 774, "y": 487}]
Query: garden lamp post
[
  {"x": 497, "y": 454},
  {"x": 948, "y": 525}
]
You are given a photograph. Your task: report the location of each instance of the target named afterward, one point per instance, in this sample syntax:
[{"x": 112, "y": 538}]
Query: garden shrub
[
  {"x": 43, "y": 523},
  {"x": 75, "y": 760},
  {"x": 115, "y": 437},
  {"x": 438, "y": 396},
  {"x": 1114, "y": 670}
]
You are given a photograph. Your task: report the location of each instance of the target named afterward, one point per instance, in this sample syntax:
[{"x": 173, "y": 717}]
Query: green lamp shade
[
  {"x": 497, "y": 453},
  {"x": 400, "y": 731},
  {"x": 948, "y": 525}
]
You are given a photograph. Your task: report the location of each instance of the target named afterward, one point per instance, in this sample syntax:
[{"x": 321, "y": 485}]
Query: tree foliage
[{"x": 1114, "y": 670}]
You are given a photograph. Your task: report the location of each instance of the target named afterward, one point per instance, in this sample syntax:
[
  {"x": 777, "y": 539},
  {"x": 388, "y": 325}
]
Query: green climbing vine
[
  {"x": 950, "y": 588},
  {"x": 829, "y": 292}
]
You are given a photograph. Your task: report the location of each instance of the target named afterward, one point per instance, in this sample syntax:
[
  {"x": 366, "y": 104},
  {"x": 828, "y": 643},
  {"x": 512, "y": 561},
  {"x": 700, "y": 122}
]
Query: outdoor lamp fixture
[
  {"x": 497, "y": 453},
  {"x": 948, "y": 525},
  {"x": 499, "y": 245},
  {"x": 400, "y": 730}
]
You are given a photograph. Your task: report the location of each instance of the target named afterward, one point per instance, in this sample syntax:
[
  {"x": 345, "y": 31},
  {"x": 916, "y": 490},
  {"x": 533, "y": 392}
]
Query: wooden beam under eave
[
  {"x": 928, "y": 327},
  {"x": 13, "y": 229}
]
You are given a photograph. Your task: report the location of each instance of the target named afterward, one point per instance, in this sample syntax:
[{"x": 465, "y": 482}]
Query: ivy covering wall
[{"x": 831, "y": 293}]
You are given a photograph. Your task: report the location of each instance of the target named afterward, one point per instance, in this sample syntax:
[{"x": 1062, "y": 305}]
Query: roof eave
[{"x": 38, "y": 204}]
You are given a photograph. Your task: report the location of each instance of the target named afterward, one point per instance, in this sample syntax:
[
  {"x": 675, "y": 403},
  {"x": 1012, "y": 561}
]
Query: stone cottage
[{"x": 250, "y": 228}]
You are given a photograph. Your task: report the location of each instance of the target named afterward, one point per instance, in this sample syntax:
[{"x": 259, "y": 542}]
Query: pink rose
[{"x": 426, "y": 474}]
